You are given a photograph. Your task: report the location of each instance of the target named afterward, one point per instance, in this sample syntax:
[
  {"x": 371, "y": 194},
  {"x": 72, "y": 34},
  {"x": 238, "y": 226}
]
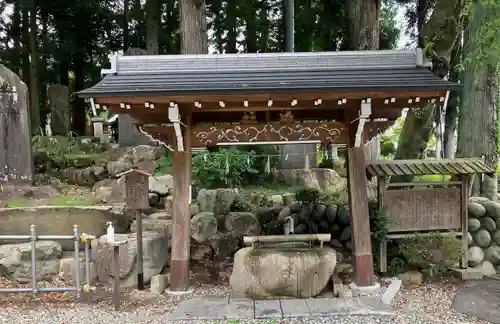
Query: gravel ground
[{"x": 427, "y": 303}]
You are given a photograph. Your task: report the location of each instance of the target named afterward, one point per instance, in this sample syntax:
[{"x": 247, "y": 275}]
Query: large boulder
[
  {"x": 492, "y": 209},
  {"x": 15, "y": 260},
  {"x": 319, "y": 178},
  {"x": 155, "y": 257},
  {"x": 157, "y": 222},
  {"x": 110, "y": 191},
  {"x": 224, "y": 245},
  {"x": 224, "y": 199},
  {"x": 161, "y": 185},
  {"x": 206, "y": 200},
  {"x": 282, "y": 271},
  {"x": 476, "y": 210},
  {"x": 242, "y": 223},
  {"x": 203, "y": 225},
  {"x": 142, "y": 157},
  {"x": 59, "y": 220}
]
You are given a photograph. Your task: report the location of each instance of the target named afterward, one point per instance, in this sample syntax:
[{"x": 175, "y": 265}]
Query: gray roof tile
[{"x": 269, "y": 72}]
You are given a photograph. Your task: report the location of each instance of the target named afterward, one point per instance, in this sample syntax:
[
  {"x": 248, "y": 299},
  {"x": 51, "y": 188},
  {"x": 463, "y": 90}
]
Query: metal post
[
  {"x": 33, "y": 238},
  {"x": 289, "y": 25},
  {"x": 33, "y": 260},
  {"x": 140, "y": 267},
  {"x": 86, "y": 289},
  {"x": 76, "y": 239}
]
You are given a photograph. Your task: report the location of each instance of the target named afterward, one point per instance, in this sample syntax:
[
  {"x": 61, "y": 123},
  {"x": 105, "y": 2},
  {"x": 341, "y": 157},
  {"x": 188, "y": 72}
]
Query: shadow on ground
[{"x": 480, "y": 299}]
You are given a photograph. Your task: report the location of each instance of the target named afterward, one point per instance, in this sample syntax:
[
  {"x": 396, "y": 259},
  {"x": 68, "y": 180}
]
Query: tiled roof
[{"x": 269, "y": 72}]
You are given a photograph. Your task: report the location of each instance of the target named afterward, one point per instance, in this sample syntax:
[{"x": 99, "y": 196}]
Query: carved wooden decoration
[
  {"x": 203, "y": 136},
  {"x": 286, "y": 117},
  {"x": 249, "y": 118},
  {"x": 252, "y": 132}
]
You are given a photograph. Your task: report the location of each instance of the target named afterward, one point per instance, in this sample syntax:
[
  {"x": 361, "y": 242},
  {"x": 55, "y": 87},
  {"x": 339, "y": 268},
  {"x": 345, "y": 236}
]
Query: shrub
[
  {"x": 307, "y": 195},
  {"x": 164, "y": 165},
  {"x": 60, "y": 152},
  {"x": 226, "y": 168},
  {"x": 432, "y": 254}
]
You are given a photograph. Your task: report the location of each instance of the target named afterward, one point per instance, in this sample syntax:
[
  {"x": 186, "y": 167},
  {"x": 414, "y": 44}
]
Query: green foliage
[
  {"x": 338, "y": 197},
  {"x": 387, "y": 147},
  {"x": 60, "y": 152},
  {"x": 307, "y": 195},
  {"x": 227, "y": 168},
  {"x": 397, "y": 265},
  {"x": 484, "y": 46},
  {"x": 379, "y": 223},
  {"x": 432, "y": 254},
  {"x": 164, "y": 165}
]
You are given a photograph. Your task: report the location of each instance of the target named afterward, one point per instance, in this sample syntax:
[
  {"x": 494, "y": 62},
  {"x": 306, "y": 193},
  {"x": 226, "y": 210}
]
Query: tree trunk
[
  {"x": 79, "y": 114},
  {"x": 152, "y": 26},
  {"x": 477, "y": 120},
  {"x": 364, "y": 34},
  {"x": 231, "y": 27},
  {"x": 412, "y": 143},
  {"x": 16, "y": 37},
  {"x": 251, "y": 23},
  {"x": 451, "y": 116},
  {"x": 362, "y": 24},
  {"x": 25, "y": 57},
  {"x": 125, "y": 25},
  {"x": 34, "y": 77},
  {"x": 194, "y": 38}
]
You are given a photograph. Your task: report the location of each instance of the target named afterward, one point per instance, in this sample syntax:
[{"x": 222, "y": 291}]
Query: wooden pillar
[
  {"x": 181, "y": 239},
  {"x": 358, "y": 205}
]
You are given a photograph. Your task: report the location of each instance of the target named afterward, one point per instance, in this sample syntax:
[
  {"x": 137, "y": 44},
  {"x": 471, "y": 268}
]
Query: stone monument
[{"x": 16, "y": 160}]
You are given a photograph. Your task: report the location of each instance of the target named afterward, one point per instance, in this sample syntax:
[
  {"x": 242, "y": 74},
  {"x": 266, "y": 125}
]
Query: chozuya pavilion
[{"x": 190, "y": 102}]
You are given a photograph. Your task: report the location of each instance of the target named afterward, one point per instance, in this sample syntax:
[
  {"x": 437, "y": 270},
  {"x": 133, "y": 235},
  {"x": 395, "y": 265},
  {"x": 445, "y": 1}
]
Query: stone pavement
[
  {"x": 479, "y": 298},
  {"x": 226, "y": 308}
]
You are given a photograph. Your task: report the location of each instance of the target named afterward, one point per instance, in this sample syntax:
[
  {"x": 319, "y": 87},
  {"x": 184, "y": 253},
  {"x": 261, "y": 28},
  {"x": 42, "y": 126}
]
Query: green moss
[
  {"x": 64, "y": 200},
  {"x": 16, "y": 203},
  {"x": 433, "y": 177}
]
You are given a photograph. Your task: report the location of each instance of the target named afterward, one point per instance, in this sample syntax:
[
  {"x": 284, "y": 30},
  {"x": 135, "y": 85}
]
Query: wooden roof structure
[
  {"x": 464, "y": 166},
  {"x": 172, "y": 75},
  {"x": 195, "y": 101},
  {"x": 269, "y": 97}
]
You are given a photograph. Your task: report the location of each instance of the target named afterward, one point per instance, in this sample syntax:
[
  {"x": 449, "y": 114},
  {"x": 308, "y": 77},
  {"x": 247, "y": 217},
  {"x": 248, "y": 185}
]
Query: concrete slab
[
  {"x": 326, "y": 306},
  {"x": 480, "y": 299},
  {"x": 268, "y": 309},
  {"x": 201, "y": 308},
  {"x": 468, "y": 274},
  {"x": 240, "y": 308},
  {"x": 373, "y": 305},
  {"x": 294, "y": 308},
  {"x": 391, "y": 291},
  {"x": 348, "y": 306},
  {"x": 364, "y": 290}
]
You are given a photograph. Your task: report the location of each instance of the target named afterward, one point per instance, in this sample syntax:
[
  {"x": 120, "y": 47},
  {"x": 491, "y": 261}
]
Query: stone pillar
[
  {"x": 98, "y": 125},
  {"x": 59, "y": 109},
  {"x": 16, "y": 160}
]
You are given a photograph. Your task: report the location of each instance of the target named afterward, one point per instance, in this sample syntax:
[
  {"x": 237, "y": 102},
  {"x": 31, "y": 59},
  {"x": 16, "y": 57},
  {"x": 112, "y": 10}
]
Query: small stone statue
[{"x": 48, "y": 122}]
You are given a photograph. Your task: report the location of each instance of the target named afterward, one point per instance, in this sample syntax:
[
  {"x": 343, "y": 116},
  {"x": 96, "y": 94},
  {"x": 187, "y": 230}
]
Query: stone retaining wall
[{"x": 484, "y": 234}]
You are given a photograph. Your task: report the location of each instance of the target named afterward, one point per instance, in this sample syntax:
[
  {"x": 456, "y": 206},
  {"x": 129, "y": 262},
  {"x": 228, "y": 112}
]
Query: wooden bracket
[{"x": 364, "y": 114}]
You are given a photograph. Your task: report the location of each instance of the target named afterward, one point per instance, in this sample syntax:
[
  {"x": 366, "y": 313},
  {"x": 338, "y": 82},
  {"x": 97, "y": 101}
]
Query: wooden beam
[
  {"x": 181, "y": 239},
  {"x": 358, "y": 206},
  {"x": 204, "y": 98},
  {"x": 209, "y": 135},
  {"x": 332, "y": 132}
]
